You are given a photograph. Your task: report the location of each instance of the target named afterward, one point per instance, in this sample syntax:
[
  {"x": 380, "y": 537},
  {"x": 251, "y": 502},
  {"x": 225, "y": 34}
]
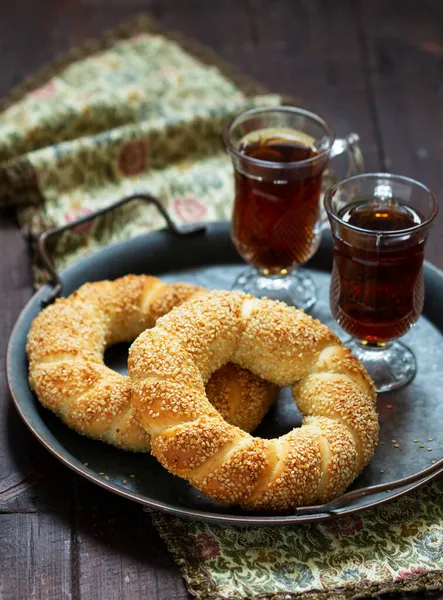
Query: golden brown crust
[
  {"x": 311, "y": 464},
  {"x": 294, "y": 481},
  {"x": 212, "y": 351},
  {"x": 234, "y": 475},
  {"x": 66, "y": 344},
  {"x": 240, "y": 396},
  {"x": 338, "y": 398}
]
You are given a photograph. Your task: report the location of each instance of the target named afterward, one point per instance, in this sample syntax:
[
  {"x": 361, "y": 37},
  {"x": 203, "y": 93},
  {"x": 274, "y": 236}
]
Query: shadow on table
[{"x": 96, "y": 521}]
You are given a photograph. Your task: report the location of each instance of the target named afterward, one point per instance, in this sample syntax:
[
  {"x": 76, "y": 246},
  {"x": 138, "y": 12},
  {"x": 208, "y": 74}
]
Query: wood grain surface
[{"x": 371, "y": 66}]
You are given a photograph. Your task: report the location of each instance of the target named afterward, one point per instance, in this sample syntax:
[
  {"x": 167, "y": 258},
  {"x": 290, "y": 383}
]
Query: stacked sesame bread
[{"x": 203, "y": 373}]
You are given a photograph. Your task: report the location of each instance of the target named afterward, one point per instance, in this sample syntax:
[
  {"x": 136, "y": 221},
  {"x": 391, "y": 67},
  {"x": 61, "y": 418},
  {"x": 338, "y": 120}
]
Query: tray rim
[{"x": 236, "y": 520}]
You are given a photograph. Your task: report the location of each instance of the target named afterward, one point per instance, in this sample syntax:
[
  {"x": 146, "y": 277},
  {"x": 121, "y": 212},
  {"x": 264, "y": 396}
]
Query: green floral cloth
[
  {"x": 398, "y": 546},
  {"x": 139, "y": 111},
  {"x": 143, "y": 115}
]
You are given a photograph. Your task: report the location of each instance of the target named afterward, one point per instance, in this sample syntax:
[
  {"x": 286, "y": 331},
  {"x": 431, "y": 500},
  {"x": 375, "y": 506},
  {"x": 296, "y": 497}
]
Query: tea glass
[
  {"x": 277, "y": 218},
  {"x": 377, "y": 288}
]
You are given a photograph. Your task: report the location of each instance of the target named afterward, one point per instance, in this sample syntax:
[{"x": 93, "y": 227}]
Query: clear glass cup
[
  {"x": 379, "y": 225},
  {"x": 279, "y": 157}
]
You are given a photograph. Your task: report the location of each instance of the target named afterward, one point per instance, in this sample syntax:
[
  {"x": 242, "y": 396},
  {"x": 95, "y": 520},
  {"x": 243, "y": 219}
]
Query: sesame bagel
[
  {"x": 170, "y": 364},
  {"x": 66, "y": 345}
]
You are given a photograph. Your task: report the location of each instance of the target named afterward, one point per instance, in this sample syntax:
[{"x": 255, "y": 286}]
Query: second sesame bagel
[{"x": 66, "y": 346}]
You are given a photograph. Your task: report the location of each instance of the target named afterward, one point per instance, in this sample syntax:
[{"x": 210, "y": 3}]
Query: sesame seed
[
  {"x": 421, "y": 446},
  {"x": 86, "y": 464},
  {"x": 416, "y": 441},
  {"x": 124, "y": 482},
  {"x": 101, "y": 473},
  {"x": 429, "y": 449},
  {"x": 389, "y": 406},
  {"x": 430, "y": 439},
  {"x": 107, "y": 477},
  {"x": 132, "y": 476},
  {"x": 381, "y": 471}
]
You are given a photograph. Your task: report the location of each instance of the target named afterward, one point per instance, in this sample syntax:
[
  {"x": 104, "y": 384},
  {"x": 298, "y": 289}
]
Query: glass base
[
  {"x": 391, "y": 366},
  {"x": 295, "y": 288}
]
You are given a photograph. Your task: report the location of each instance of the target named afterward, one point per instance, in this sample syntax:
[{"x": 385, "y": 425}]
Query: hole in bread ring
[{"x": 310, "y": 464}]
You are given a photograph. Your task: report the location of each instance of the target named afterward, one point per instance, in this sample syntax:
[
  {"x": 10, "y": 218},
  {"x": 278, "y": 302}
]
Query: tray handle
[
  {"x": 42, "y": 249},
  {"x": 346, "y": 499}
]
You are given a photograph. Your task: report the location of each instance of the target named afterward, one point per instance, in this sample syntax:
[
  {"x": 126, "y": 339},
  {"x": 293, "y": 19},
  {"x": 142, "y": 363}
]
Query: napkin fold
[
  {"x": 139, "y": 113},
  {"x": 143, "y": 111}
]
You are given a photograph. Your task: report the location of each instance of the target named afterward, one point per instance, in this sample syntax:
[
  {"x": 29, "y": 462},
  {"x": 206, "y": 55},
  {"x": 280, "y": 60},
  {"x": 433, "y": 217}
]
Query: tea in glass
[
  {"x": 279, "y": 157},
  {"x": 380, "y": 224},
  {"x": 276, "y": 223}
]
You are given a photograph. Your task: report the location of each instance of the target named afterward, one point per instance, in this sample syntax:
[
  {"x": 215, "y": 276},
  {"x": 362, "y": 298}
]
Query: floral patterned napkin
[
  {"x": 398, "y": 546},
  {"x": 141, "y": 111},
  {"x": 141, "y": 115}
]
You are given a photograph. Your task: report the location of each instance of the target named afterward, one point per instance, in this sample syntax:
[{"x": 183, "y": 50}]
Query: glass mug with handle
[
  {"x": 380, "y": 224},
  {"x": 279, "y": 157}
]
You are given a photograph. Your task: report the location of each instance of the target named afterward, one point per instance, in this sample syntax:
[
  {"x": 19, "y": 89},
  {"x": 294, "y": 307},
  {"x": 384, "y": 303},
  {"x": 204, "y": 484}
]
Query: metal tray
[{"x": 209, "y": 259}]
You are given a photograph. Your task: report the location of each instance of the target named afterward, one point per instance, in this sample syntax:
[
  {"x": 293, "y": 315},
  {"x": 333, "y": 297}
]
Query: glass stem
[{"x": 391, "y": 365}]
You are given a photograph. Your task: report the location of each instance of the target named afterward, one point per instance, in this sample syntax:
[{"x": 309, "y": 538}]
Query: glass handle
[{"x": 351, "y": 145}]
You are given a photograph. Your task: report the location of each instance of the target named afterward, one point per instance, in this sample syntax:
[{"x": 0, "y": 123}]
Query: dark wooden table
[{"x": 371, "y": 66}]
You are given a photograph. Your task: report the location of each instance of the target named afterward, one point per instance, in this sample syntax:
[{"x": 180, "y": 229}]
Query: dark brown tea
[
  {"x": 377, "y": 282},
  {"x": 276, "y": 210}
]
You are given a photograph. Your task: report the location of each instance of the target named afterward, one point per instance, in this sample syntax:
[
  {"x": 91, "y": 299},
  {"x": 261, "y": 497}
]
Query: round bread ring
[
  {"x": 170, "y": 364},
  {"x": 66, "y": 345}
]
